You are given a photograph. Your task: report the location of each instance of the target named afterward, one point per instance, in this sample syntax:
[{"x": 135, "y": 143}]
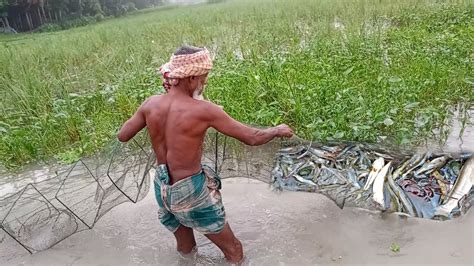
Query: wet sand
[{"x": 275, "y": 228}]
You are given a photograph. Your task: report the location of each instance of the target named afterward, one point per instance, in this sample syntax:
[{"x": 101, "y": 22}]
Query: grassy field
[{"x": 361, "y": 70}]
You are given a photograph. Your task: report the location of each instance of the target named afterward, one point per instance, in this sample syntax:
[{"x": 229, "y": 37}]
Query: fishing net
[
  {"x": 232, "y": 159},
  {"x": 44, "y": 213},
  {"x": 52, "y": 207},
  {"x": 426, "y": 185}
]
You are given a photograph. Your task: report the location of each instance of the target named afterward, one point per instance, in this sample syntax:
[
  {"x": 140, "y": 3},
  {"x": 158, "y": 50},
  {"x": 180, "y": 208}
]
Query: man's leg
[
  {"x": 228, "y": 243},
  {"x": 185, "y": 239}
]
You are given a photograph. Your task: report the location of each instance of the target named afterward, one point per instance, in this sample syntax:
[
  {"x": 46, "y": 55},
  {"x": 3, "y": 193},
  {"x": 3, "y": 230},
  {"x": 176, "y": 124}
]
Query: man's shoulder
[
  {"x": 155, "y": 97},
  {"x": 208, "y": 106},
  {"x": 152, "y": 100},
  {"x": 210, "y": 111}
]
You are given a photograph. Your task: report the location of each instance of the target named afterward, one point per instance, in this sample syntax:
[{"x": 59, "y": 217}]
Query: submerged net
[
  {"x": 426, "y": 185},
  {"x": 53, "y": 207},
  {"x": 44, "y": 213}
]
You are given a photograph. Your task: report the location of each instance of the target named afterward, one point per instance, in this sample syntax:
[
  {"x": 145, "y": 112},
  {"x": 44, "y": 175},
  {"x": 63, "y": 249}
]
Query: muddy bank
[{"x": 285, "y": 228}]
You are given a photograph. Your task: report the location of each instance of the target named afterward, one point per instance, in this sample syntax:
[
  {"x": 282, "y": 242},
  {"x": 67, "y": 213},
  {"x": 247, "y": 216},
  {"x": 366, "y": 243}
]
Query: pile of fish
[{"x": 422, "y": 185}]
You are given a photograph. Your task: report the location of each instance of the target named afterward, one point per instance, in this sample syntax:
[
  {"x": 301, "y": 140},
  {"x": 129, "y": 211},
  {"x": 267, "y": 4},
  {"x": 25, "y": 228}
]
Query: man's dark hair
[{"x": 186, "y": 49}]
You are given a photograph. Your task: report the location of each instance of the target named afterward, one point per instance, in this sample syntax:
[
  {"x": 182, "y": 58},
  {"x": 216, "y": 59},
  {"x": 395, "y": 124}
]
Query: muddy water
[
  {"x": 464, "y": 143},
  {"x": 275, "y": 228},
  {"x": 460, "y": 138}
]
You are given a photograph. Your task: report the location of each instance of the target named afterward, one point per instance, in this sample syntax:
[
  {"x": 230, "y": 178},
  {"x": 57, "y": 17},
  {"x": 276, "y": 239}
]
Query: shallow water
[
  {"x": 275, "y": 228},
  {"x": 466, "y": 142},
  {"x": 456, "y": 142}
]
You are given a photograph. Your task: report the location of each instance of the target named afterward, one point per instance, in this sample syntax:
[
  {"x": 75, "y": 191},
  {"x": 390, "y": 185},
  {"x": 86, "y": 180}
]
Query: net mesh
[
  {"x": 44, "y": 213},
  {"x": 53, "y": 207}
]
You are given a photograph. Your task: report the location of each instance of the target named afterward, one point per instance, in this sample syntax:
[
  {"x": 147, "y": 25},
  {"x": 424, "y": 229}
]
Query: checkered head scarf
[{"x": 186, "y": 65}]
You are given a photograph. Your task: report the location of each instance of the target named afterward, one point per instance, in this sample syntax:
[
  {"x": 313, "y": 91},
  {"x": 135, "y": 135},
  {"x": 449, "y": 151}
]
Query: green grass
[{"x": 346, "y": 69}]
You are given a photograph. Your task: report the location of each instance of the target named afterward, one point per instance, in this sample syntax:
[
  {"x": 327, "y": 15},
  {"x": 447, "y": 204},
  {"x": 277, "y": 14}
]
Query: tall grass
[{"x": 363, "y": 70}]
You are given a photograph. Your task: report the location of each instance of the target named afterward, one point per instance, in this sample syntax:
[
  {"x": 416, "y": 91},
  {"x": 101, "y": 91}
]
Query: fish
[
  {"x": 351, "y": 176},
  {"x": 334, "y": 149},
  {"x": 407, "y": 205},
  {"x": 377, "y": 188},
  {"x": 322, "y": 154},
  {"x": 441, "y": 183},
  {"x": 345, "y": 150},
  {"x": 394, "y": 201},
  {"x": 277, "y": 173},
  {"x": 397, "y": 173},
  {"x": 431, "y": 166},
  {"x": 305, "y": 153},
  {"x": 307, "y": 169},
  {"x": 462, "y": 187},
  {"x": 335, "y": 173},
  {"x": 376, "y": 167},
  {"x": 292, "y": 151},
  {"x": 414, "y": 162},
  {"x": 318, "y": 160},
  {"x": 296, "y": 168},
  {"x": 359, "y": 177},
  {"x": 302, "y": 180},
  {"x": 383, "y": 155}
]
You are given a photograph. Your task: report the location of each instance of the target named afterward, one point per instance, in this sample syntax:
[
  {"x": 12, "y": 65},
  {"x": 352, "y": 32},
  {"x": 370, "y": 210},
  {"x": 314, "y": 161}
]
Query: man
[{"x": 187, "y": 193}]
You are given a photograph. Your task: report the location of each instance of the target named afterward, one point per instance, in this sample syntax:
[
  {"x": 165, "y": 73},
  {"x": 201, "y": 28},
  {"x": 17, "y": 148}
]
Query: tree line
[{"x": 26, "y": 15}]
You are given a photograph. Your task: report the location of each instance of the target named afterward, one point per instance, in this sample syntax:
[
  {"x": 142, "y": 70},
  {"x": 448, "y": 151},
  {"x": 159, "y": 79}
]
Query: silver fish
[
  {"x": 407, "y": 205},
  {"x": 462, "y": 186},
  {"x": 351, "y": 176},
  {"x": 292, "y": 151},
  {"x": 383, "y": 155},
  {"x": 398, "y": 172},
  {"x": 322, "y": 153},
  {"x": 335, "y": 173},
  {"x": 431, "y": 166},
  {"x": 277, "y": 172},
  {"x": 394, "y": 201},
  {"x": 334, "y": 149},
  {"x": 295, "y": 169},
  {"x": 345, "y": 150},
  {"x": 376, "y": 167},
  {"x": 359, "y": 177},
  {"x": 302, "y": 180},
  {"x": 416, "y": 161},
  {"x": 377, "y": 188}
]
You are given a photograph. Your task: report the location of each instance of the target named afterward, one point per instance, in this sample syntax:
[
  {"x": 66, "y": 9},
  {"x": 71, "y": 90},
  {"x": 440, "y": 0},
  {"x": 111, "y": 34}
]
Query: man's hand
[
  {"x": 225, "y": 124},
  {"x": 284, "y": 131}
]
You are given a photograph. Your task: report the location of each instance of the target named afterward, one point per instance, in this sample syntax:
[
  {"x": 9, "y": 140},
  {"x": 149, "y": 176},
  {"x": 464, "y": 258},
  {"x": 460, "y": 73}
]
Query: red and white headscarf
[{"x": 183, "y": 66}]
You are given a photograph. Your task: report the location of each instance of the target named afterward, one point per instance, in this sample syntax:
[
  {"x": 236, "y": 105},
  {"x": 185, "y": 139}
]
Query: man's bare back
[{"x": 178, "y": 123}]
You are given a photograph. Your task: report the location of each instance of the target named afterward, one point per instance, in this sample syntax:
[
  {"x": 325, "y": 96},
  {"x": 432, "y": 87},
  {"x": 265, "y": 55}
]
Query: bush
[
  {"x": 49, "y": 27},
  {"x": 70, "y": 23},
  {"x": 99, "y": 17},
  {"x": 129, "y": 7},
  {"x": 78, "y": 22}
]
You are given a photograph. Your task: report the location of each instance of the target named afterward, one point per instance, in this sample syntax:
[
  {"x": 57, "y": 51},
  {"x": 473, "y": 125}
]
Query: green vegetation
[
  {"x": 345, "y": 69},
  {"x": 395, "y": 248}
]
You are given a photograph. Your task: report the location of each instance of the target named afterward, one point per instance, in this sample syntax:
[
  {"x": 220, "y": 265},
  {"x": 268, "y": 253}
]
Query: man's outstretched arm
[
  {"x": 133, "y": 125},
  {"x": 225, "y": 124}
]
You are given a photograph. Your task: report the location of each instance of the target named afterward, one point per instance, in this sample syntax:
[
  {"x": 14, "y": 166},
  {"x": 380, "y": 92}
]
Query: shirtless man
[{"x": 188, "y": 194}]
